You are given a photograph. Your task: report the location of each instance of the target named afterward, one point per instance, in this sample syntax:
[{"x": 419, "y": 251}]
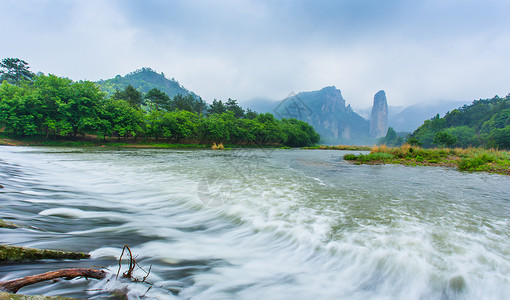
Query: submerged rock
[
  {"x": 10, "y": 253},
  {"x": 6, "y": 296},
  {"x": 5, "y": 224}
]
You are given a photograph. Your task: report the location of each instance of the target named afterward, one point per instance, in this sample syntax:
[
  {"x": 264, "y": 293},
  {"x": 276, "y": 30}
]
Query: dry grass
[{"x": 217, "y": 147}]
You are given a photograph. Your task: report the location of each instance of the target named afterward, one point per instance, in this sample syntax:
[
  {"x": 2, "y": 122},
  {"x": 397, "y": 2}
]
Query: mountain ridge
[{"x": 143, "y": 80}]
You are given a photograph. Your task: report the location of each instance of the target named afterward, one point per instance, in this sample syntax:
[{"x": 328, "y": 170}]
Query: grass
[
  {"x": 469, "y": 159},
  {"x": 218, "y": 147}
]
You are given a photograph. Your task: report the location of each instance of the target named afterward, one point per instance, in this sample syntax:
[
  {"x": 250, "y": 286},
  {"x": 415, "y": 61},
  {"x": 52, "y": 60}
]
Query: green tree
[
  {"x": 18, "y": 113},
  {"x": 15, "y": 70},
  {"x": 232, "y": 106},
  {"x": 443, "y": 138},
  {"x": 217, "y": 107},
  {"x": 159, "y": 99},
  {"x": 391, "y": 139},
  {"x": 130, "y": 95},
  {"x": 250, "y": 114}
]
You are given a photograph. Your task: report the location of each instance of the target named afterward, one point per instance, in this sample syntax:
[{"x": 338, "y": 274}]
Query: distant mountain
[
  {"x": 325, "y": 110},
  {"x": 413, "y": 116},
  {"x": 392, "y": 111},
  {"x": 144, "y": 80},
  {"x": 261, "y": 105},
  {"x": 379, "y": 115}
]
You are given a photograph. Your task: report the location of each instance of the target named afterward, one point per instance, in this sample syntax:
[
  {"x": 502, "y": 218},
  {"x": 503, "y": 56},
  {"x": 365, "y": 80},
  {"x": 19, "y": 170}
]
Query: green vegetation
[
  {"x": 14, "y": 70},
  {"x": 391, "y": 139},
  {"x": 9, "y": 296},
  {"x": 485, "y": 123},
  {"x": 18, "y": 254},
  {"x": 471, "y": 159},
  {"x": 144, "y": 80},
  {"x": 45, "y": 108}
]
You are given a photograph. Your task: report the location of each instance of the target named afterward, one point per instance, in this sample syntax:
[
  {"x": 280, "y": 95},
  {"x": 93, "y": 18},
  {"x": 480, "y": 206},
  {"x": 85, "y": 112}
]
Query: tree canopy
[
  {"x": 15, "y": 70},
  {"x": 486, "y": 123},
  {"x": 52, "y": 106}
]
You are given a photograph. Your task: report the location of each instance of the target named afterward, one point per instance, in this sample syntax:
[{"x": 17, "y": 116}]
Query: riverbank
[
  {"x": 142, "y": 143},
  {"x": 340, "y": 147},
  {"x": 470, "y": 159}
]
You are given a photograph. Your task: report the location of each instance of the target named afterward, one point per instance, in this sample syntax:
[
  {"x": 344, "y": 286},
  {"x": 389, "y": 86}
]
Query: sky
[{"x": 415, "y": 50}]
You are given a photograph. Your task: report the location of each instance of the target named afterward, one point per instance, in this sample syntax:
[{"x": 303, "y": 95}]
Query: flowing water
[{"x": 257, "y": 224}]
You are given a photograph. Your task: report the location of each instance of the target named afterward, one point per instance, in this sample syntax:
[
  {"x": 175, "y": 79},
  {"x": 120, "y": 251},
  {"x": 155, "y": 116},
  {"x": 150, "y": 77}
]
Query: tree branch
[{"x": 12, "y": 286}]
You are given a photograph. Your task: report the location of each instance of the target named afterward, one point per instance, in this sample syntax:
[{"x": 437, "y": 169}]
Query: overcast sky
[{"x": 417, "y": 51}]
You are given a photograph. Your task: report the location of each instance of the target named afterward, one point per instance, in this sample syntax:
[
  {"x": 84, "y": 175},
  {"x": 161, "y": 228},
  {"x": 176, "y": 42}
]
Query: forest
[
  {"x": 53, "y": 107},
  {"x": 484, "y": 123}
]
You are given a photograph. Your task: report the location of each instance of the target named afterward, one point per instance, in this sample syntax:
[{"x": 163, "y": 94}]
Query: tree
[
  {"x": 15, "y": 70},
  {"x": 232, "y": 106},
  {"x": 160, "y": 99},
  {"x": 130, "y": 95},
  {"x": 444, "y": 138},
  {"x": 217, "y": 107},
  {"x": 391, "y": 139},
  {"x": 250, "y": 114}
]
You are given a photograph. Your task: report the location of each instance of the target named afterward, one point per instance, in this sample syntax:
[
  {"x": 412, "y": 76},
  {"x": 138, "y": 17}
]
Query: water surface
[{"x": 258, "y": 224}]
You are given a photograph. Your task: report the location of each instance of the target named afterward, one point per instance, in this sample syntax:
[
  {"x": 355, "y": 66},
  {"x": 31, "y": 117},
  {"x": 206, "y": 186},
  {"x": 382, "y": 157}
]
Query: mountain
[
  {"x": 325, "y": 110},
  {"x": 379, "y": 115},
  {"x": 261, "y": 105},
  {"x": 413, "y": 116},
  {"x": 144, "y": 80}
]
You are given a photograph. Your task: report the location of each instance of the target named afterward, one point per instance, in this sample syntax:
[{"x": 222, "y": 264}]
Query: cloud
[{"x": 416, "y": 51}]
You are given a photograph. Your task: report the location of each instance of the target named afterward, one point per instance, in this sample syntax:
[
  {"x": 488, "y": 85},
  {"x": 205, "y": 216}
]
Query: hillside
[
  {"x": 486, "y": 122},
  {"x": 144, "y": 80}
]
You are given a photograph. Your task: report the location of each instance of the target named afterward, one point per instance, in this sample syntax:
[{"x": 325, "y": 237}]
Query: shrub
[
  {"x": 473, "y": 163},
  {"x": 350, "y": 156},
  {"x": 375, "y": 156}
]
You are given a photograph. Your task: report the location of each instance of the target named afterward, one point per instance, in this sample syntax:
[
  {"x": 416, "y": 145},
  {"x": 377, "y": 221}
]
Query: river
[{"x": 257, "y": 224}]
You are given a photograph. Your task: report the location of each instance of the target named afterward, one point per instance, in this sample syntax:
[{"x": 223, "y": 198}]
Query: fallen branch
[{"x": 14, "y": 285}]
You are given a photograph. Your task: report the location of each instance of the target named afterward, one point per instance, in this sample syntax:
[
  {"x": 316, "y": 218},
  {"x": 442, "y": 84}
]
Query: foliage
[
  {"x": 144, "y": 80},
  {"x": 470, "y": 159},
  {"x": 484, "y": 123},
  {"x": 350, "y": 156},
  {"x": 59, "y": 107},
  {"x": 15, "y": 71},
  {"x": 391, "y": 139},
  {"x": 130, "y": 95},
  {"x": 444, "y": 138},
  {"x": 377, "y": 156}
]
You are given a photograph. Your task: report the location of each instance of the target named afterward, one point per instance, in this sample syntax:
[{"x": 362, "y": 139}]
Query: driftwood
[
  {"x": 10, "y": 253},
  {"x": 14, "y": 285}
]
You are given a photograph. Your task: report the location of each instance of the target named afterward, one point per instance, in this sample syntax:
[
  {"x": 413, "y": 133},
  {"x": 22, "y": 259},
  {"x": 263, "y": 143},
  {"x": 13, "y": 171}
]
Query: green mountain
[
  {"x": 486, "y": 122},
  {"x": 144, "y": 80}
]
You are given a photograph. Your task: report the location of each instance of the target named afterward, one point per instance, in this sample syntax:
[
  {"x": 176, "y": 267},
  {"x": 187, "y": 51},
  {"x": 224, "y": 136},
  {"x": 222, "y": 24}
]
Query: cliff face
[
  {"x": 379, "y": 116},
  {"x": 326, "y": 111}
]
